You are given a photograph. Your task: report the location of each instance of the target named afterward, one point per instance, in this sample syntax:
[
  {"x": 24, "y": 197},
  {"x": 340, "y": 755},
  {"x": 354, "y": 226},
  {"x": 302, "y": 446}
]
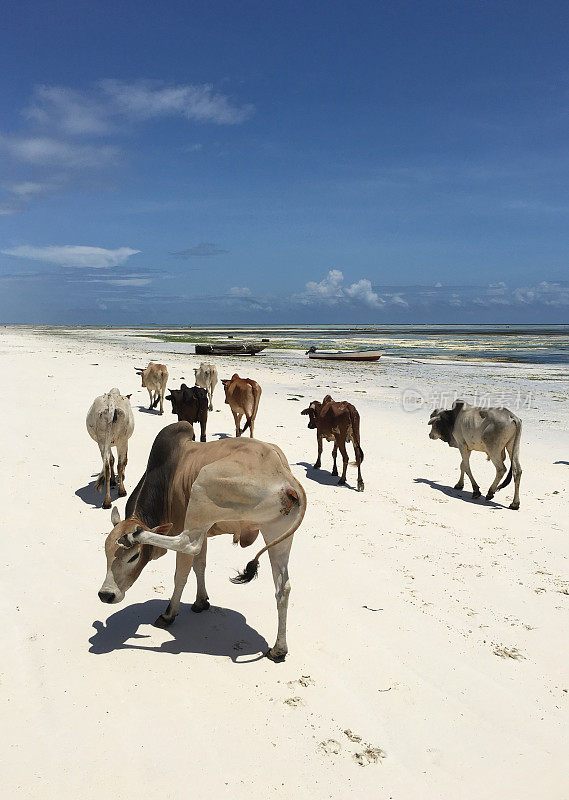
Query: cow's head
[
  {"x": 227, "y": 384},
  {"x": 125, "y": 565},
  {"x": 141, "y": 372},
  {"x": 442, "y": 423},
  {"x": 312, "y": 411},
  {"x": 175, "y": 397}
]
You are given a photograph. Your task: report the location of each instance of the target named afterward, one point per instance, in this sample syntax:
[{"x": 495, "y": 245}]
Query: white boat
[{"x": 345, "y": 355}]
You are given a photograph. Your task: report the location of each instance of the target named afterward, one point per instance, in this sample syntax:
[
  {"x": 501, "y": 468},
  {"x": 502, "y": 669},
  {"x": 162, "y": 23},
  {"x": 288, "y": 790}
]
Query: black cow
[{"x": 190, "y": 405}]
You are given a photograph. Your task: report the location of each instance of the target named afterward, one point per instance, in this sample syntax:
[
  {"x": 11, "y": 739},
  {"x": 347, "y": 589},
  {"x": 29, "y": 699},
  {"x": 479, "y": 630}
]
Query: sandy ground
[{"x": 427, "y": 633}]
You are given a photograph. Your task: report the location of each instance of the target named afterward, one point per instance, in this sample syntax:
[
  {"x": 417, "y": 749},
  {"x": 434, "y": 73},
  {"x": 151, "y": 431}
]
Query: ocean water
[{"x": 537, "y": 344}]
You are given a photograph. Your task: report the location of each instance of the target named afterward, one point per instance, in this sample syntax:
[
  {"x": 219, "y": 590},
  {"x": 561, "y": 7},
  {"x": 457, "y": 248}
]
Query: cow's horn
[{"x": 115, "y": 516}]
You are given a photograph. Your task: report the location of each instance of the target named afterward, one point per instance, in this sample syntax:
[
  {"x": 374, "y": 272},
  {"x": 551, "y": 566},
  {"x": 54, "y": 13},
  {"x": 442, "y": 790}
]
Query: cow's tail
[
  {"x": 247, "y": 425},
  {"x": 293, "y": 498},
  {"x": 355, "y": 422},
  {"x": 515, "y": 461}
]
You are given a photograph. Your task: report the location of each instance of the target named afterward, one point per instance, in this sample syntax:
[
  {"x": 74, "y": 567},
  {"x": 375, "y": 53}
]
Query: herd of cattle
[{"x": 191, "y": 491}]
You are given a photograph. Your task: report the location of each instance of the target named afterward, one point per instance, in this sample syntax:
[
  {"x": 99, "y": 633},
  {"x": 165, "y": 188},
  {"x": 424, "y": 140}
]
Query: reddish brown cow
[
  {"x": 242, "y": 395},
  {"x": 338, "y": 423}
]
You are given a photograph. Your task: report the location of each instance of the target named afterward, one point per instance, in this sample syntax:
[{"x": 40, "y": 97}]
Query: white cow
[
  {"x": 110, "y": 423},
  {"x": 154, "y": 378},
  {"x": 206, "y": 377}
]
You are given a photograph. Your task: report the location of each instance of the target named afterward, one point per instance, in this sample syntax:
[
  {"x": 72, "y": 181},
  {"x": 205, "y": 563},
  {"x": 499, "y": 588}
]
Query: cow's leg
[
  {"x": 460, "y": 484},
  {"x": 203, "y": 423},
  {"x": 278, "y": 556},
  {"x": 251, "y": 426},
  {"x": 183, "y": 566},
  {"x": 161, "y": 401},
  {"x": 465, "y": 466},
  {"x": 517, "y": 473},
  {"x": 190, "y": 541},
  {"x": 210, "y": 392},
  {"x": 237, "y": 418},
  {"x": 123, "y": 460},
  {"x": 105, "y": 475},
  {"x": 319, "y": 459},
  {"x": 202, "y": 600},
  {"x": 345, "y": 459},
  {"x": 334, "y": 454},
  {"x": 498, "y": 461},
  {"x": 357, "y": 452},
  {"x": 112, "y": 465},
  {"x": 150, "y": 396}
]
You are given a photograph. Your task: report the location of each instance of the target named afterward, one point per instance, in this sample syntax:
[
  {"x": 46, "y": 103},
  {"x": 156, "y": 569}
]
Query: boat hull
[{"x": 373, "y": 355}]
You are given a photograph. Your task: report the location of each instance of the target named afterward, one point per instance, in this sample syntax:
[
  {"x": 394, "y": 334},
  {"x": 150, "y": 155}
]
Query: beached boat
[
  {"x": 228, "y": 349},
  {"x": 345, "y": 355}
]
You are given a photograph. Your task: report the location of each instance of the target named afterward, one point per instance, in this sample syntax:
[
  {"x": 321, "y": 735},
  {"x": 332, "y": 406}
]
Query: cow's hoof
[
  {"x": 200, "y": 605},
  {"x": 202, "y": 439},
  {"x": 210, "y": 408},
  {"x": 317, "y": 465},
  {"x": 122, "y": 492},
  {"x": 107, "y": 504},
  {"x": 163, "y": 622},
  {"x": 490, "y": 495},
  {"x": 514, "y": 506},
  {"x": 113, "y": 482},
  {"x": 276, "y": 655},
  {"x": 476, "y": 494},
  {"x": 334, "y": 471},
  {"x": 459, "y": 486},
  {"x": 341, "y": 482},
  {"x": 360, "y": 486}
]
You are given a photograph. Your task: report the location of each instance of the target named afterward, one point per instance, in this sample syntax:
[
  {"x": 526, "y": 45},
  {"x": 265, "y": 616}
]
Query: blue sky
[{"x": 189, "y": 162}]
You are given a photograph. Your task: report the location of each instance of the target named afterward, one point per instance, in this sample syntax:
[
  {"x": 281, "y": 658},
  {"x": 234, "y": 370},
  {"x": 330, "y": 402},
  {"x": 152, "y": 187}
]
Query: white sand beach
[{"x": 427, "y": 633}]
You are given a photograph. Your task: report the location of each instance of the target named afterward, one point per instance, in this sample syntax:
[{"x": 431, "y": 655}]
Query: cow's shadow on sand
[
  {"x": 93, "y": 498},
  {"x": 458, "y": 494},
  {"x": 222, "y": 435},
  {"x": 562, "y": 462},
  {"x": 153, "y": 411},
  {"x": 323, "y": 476},
  {"x": 217, "y": 632}
]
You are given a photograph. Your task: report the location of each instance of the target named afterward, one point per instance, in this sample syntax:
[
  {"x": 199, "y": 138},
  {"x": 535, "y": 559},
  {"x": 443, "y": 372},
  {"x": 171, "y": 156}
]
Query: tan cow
[
  {"x": 191, "y": 491},
  {"x": 206, "y": 378},
  {"x": 110, "y": 423},
  {"x": 242, "y": 396},
  {"x": 154, "y": 378}
]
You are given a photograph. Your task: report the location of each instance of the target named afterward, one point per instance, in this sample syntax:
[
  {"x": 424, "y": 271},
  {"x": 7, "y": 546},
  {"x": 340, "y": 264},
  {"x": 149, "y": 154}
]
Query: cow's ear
[
  {"x": 128, "y": 396},
  {"x": 196, "y": 370},
  {"x": 435, "y": 413},
  {"x": 457, "y": 405},
  {"x": 115, "y": 516},
  {"x": 163, "y": 529},
  {"x": 306, "y": 411}
]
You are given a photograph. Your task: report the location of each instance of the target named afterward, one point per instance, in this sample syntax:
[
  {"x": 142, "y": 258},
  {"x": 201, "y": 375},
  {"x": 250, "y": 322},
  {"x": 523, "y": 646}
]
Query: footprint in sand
[
  {"x": 330, "y": 747},
  {"x": 371, "y": 755},
  {"x": 304, "y": 681},
  {"x": 508, "y": 652},
  {"x": 294, "y": 702}
]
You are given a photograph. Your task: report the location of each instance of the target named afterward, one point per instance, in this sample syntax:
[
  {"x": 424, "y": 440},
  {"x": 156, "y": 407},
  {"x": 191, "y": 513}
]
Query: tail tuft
[{"x": 248, "y": 573}]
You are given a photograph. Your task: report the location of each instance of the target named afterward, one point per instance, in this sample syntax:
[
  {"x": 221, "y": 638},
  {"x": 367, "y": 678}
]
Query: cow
[
  {"x": 488, "y": 430},
  {"x": 338, "y": 423},
  {"x": 190, "y": 405},
  {"x": 206, "y": 377},
  {"x": 192, "y": 491},
  {"x": 242, "y": 395},
  {"x": 110, "y": 423},
  {"x": 154, "y": 378}
]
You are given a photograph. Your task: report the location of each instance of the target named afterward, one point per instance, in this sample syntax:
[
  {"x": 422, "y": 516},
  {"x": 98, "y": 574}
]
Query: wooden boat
[
  {"x": 228, "y": 349},
  {"x": 345, "y": 355}
]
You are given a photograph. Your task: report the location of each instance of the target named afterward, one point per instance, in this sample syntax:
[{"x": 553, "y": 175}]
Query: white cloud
[
  {"x": 68, "y": 110},
  {"x": 362, "y": 292},
  {"x": 151, "y": 99},
  {"x": 46, "y": 151},
  {"x": 74, "y": 255},
  {"x": 240, "y": 291},
  {"x": 330, "y": 290}
]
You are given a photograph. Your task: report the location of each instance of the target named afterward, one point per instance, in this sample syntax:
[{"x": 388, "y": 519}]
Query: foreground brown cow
[
  {"x": 154, "y": 378},
  {"x": 242, "y": 396},
  {"x": 338, "y": 423},
  {"x": 191, "y": 491}
]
